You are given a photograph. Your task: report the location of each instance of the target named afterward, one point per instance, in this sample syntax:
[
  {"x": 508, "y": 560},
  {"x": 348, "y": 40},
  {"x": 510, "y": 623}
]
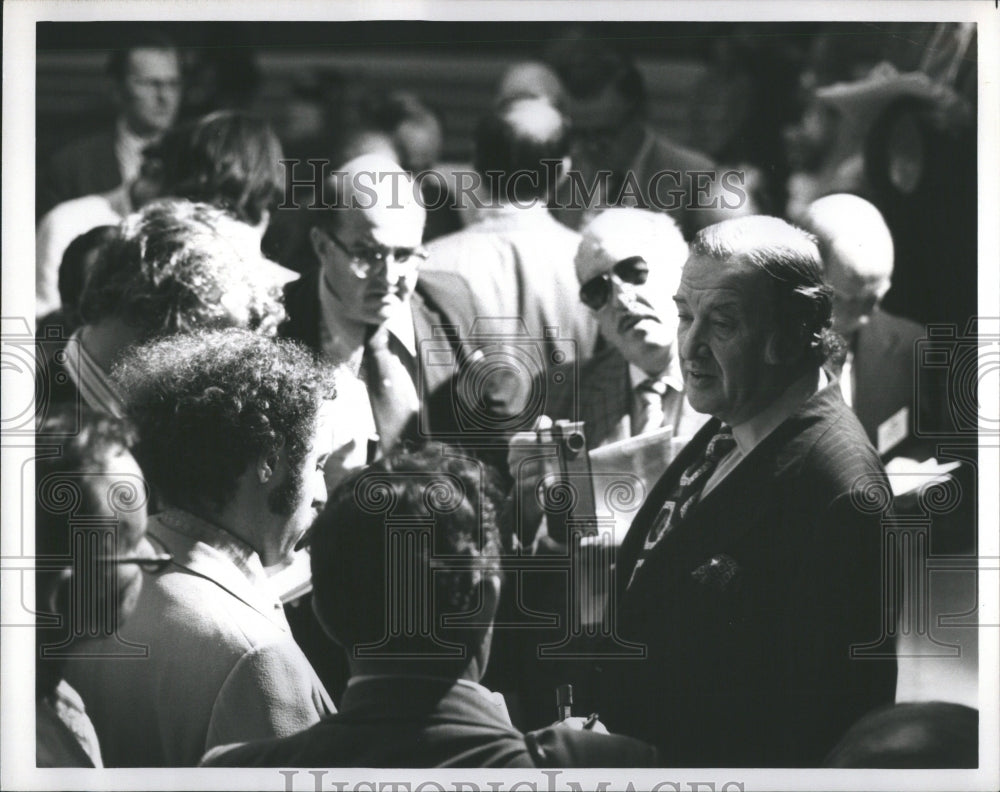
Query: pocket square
[{"x": 719, "y": 573}]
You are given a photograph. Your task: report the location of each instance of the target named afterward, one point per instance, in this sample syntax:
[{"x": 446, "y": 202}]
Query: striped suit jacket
[{"x": 748, "y": 609}]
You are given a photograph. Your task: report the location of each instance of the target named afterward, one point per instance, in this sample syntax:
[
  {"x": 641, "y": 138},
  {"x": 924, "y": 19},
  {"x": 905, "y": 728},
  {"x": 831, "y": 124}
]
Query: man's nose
[{"x": 690, "y": 340}]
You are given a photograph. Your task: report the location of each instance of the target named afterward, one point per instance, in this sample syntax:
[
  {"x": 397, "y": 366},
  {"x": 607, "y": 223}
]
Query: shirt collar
[
  {"x": 346, "y": 338},
  {"x": 750, "y": 433},
  {"x": 235, "y": 549},
  {"x": 672, "y": 377}
]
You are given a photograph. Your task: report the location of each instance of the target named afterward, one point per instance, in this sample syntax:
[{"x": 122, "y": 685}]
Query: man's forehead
[
  {"x": 387, "y": 225},
  {"x": 711, "y": 277},
  {"x": 153, "y": 61}
]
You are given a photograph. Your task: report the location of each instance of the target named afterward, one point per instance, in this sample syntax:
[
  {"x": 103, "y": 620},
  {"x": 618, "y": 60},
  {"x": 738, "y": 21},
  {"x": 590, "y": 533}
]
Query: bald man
[
  {"x": 516, "y": 259},
  {"x": 363, "y": 307},
  {"x": 877, "y": 378}
]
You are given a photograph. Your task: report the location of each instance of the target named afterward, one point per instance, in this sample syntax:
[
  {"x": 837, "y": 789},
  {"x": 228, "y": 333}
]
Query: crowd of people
[{"x": 353, "y": 409}]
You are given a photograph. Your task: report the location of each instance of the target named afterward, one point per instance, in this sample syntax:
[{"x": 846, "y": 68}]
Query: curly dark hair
[
  {"x": 178, "y": 266},
  {"x": 790, "y": 257},
  {"x": 209, "y": 404},
  {"x": 229, "y": 159},
  {"x": 439, "y": 508}
]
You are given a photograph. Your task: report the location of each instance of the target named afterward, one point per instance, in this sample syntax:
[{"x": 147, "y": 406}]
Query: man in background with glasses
[{"x": 363, "y": 307}]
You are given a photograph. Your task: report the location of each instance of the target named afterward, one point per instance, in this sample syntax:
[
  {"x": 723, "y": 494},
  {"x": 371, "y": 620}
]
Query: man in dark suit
[
  {"x": 363, "y": 307},
  {"x": 878, "y": 376},
  {"x": 406, "y": 575},
  {"x": 754, "y": 565},
  {"x": 147, "y": 89},
  {"x": 606, "y": 97}
]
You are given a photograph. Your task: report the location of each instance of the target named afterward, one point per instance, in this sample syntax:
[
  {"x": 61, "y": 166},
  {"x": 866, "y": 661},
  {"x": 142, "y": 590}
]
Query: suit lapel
[{"x": 604, "y": 398}]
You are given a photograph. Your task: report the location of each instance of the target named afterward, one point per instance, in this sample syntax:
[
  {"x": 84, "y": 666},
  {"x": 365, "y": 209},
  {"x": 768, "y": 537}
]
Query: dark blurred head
[
  {"x": 606, "y": 97},
  {"x": 78, "y": 262},
  {"x": 416, "y": 530},
  {"x": 147, "y": 74},
  {"x": 515, "y": 140},
  {"x": 86, "y": 484},
  {"x": 177, "y": 266},
  {"x": 416, "y": 131},
  {"x": 925, "y": 734},
  {"x": 209, "y": 404},
  {"x": 228, "y": 159}
]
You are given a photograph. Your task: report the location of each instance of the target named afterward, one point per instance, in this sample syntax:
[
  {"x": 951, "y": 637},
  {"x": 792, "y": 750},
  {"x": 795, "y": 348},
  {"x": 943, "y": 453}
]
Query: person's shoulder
[
  {"x": 668, "y": 154},
  {"x": 96, "y": 144},
  {"x": 561, "y": 747}
]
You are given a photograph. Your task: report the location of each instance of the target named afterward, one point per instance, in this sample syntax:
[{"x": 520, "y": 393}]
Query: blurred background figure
[
  {"x": 173, "y": 267},
  {"x": 530, "y": 80},
  {"x": 85, "y": 479},
  {"x": 516, "y": 258},
  {"x": 607, "y": 104},
  {"x": 229, "y": 159},
  {"x": 878, "y": 375},
  {"x": 147, "y": 77}
]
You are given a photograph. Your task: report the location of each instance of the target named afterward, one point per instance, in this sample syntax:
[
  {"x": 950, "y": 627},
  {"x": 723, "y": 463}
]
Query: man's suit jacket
[
  {"x": 884, "y": 373},
  {"x": 222, "y": 665},
  {"x": 84, "y": 167},
  {"x": 603, "y": 400},
  {"x": 748, "y": 608},
  {"x": 430, "y": 723},
  {"x": 518, "y": 262}
]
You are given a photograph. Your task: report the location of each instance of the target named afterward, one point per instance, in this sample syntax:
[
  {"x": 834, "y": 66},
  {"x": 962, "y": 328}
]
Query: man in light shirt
[{"x": 754, "y": 564}]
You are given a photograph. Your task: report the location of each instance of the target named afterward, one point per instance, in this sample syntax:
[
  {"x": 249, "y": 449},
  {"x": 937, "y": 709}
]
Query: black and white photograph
[{"x": 500, "y": 396}]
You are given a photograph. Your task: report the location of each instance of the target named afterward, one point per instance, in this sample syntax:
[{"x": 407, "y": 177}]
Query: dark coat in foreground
[
  {"x": 750, "y": 607},
  {"x": 424, "y": 723}
]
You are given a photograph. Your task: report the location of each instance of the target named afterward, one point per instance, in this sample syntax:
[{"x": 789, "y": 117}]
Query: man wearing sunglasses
[
  {"x": 628, "y": 265},
  {"x": 363, "y": 306}
]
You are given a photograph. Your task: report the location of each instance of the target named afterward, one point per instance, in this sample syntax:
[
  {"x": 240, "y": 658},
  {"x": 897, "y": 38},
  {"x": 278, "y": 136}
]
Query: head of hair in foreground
[
  {"x": 213, "y": 404},
  {"x": 177, "y": 266},
  {"x": 754, "y": 315},
  {"x": 84, "y": 471},
  {"x": 436, "y": 508}
]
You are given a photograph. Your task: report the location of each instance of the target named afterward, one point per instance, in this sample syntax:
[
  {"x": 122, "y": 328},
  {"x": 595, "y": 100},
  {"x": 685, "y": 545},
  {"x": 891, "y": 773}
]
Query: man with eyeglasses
[
  {"x": 363, "y": 307},
  {"x": 877, "y": 377},
  {"x": 90, "y": 545}
]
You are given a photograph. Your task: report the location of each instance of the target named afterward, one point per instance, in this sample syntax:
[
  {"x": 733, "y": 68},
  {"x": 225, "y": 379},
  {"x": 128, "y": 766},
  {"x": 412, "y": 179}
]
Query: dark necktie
[
  {"x": 649, "y": 405},
  {"x": 390, "y": 389},
  {"x": 691, "y": 484}
]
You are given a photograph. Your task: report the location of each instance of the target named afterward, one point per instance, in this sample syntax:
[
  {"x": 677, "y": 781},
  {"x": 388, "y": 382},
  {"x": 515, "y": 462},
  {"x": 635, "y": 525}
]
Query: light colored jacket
[{"x": 221, "y": 665}]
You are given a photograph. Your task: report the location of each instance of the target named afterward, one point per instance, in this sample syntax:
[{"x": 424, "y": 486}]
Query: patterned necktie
[
  {"x": 691, "y": 484},
  {"x": 391, "y": 390},
  {"x": 649, "y": 405}
]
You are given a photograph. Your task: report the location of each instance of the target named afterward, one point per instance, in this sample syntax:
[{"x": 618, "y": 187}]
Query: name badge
[{"x": 893, "y": 430}]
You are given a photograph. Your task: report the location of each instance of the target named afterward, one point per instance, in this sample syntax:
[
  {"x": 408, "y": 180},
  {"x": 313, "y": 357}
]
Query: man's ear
[
  {"x": 266, "y": 465},
  {"x": 318, "y": 243},
  {"x": 785, "y": 347}
]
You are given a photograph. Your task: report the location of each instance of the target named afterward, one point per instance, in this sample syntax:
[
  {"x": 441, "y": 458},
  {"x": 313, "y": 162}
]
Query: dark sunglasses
[{"x": 596, "y": 292}]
